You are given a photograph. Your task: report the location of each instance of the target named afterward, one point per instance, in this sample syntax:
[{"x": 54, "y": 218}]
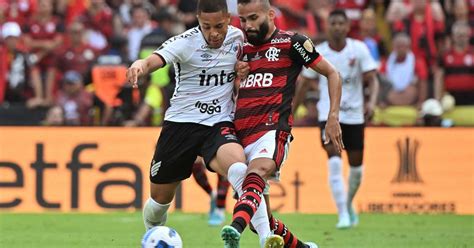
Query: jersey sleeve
[
  {"x": 303, "y": 51},
  {"x": 175, "y": 49},
  {"x": 367, "y": 63}
]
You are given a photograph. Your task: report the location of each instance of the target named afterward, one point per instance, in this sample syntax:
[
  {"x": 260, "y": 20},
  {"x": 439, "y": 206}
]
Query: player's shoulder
[
  {"x": 323, "y": 46},
  {"x": 189, "y": 36},
  {"x": 286, "y": 33},
  {"x": 356, "y": 44}
]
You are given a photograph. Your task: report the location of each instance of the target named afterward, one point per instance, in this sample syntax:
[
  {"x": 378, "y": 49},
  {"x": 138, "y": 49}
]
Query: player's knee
[
  {"x": 331, "y": 152},
  {"x": 229, "y": 154},
  {"x": 162, "y": 195},
  {"x": 262, "y": 170},
  {"x": 355, "y": 158},
  {"x": 161, "y": 198}
]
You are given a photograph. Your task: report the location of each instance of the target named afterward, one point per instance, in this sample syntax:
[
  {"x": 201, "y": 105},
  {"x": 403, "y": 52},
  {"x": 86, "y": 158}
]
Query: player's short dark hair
[
  {"x": 211, "y": 6},
  {"x": 338, "y": 12},
  {"x": 265, "y": 3}
]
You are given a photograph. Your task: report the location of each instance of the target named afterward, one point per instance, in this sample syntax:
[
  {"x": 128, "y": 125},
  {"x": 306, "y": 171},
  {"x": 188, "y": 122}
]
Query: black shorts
[
  {"x": 352, "y": 135},
  {"x": 180, "y": 143}
]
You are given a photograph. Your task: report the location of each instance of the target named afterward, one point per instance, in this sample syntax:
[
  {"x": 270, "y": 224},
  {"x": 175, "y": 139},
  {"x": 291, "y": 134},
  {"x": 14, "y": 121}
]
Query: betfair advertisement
[{"x": 406, "y": 170}]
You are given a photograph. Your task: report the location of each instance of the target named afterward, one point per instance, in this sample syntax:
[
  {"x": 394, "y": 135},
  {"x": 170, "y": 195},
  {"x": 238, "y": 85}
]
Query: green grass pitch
[{"x": 125, "y": 230}]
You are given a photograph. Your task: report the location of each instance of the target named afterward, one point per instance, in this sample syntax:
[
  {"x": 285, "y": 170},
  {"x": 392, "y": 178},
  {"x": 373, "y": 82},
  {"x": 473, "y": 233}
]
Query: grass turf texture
[{"x": 125, "y": 230}]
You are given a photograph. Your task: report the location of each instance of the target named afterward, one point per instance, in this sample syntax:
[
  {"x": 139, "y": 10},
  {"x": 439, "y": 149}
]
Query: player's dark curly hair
[
  {"x": 338, "y": 12},
  {"x": 211, "y": 6}
]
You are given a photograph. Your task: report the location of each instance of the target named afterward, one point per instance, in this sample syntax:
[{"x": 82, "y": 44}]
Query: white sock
[
  {"x": 336, "y": 182},
  {"x": 236, "y": 176},
  {"x": 260, "y": 222},
  {"x": 355, "y": 176},
  {"x": 154, "y": 213}
]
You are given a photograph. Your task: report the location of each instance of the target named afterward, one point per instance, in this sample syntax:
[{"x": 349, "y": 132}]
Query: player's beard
[{"x": 259, "y": 37}]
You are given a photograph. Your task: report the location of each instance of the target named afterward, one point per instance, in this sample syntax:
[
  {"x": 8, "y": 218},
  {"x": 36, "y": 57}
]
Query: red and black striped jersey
[
  {"x": 265, "y": 96},
  {"x": 459, "y": 70}
]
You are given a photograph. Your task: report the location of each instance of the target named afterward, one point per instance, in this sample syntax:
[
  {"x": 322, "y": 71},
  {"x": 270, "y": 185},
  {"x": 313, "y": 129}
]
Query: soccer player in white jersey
[
  {"x": 199, "y": 119},
  {"x": 356, "y": 66}
]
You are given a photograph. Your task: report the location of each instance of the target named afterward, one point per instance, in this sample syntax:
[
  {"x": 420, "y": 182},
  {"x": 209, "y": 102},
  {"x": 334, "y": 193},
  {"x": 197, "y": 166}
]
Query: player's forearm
[
  {"x": 335, "y": 88},
  {"x": 374, "y": 86},
  {"x": 301, "y": 89},
  {"x": 144, "y": 65}
]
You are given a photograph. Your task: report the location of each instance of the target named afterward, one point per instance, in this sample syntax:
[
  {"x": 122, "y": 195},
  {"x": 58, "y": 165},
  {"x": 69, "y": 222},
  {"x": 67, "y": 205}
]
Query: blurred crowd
[{"x": 63, "y": 62}]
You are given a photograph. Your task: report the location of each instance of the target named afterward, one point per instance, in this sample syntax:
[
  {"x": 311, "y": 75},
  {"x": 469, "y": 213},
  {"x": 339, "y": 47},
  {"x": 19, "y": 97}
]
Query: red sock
[
  {"x": 222, "y": 188},
  {"x": 199, "y": 173},
  {"x": 247, "y": 205},
  {"x": 279, "y": 228}
]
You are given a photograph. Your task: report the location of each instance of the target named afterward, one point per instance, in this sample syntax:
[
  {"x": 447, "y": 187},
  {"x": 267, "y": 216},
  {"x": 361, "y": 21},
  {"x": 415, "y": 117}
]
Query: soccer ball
[{"x": 162, "y": 237}]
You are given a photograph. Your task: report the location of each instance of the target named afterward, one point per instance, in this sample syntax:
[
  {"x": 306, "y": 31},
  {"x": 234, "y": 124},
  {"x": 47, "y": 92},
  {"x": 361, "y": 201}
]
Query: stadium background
[{"x": 419, "y": 160}]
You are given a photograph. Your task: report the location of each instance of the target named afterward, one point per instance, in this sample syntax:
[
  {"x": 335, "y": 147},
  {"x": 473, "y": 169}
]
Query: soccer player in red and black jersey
[{"x": 263, "y": 117}]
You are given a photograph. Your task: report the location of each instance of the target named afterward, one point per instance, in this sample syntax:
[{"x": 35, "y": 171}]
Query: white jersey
[
  {"x": 204, "y": 76},
  {"x": 351, "y": 62}
]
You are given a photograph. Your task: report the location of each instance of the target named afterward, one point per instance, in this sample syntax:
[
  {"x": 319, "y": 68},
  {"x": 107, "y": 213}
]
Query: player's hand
[
  {"x": 242, "y": 68},
  {"x": 369, "y": 111},
  {"x": 334, "y": 134},
  {"x": 132, "y": 75}
]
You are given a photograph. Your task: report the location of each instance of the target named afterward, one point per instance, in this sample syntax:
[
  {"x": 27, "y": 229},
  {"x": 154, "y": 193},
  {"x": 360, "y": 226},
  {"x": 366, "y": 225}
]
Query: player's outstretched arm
[
  {"x": 142, "y": 67},
  {"x": 333, "y": 129}
]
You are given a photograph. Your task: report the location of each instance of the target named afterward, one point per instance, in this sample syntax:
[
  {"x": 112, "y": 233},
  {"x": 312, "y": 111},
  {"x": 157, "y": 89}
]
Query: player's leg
[
  {"x": 217, "y": 216},
  {"x": 156, "y": 207},
  {"x": 226, "y": 157},
  {"x": 252, "y": 192},
  {"x": 266, "y": 155},
  {"x": 355, "y": 153},
  {"x": 336, "y": 180},
  {"x": 200, "y": 176},
  {"x": 172, "y": 162},
  {"x": 279, "y": 228}
]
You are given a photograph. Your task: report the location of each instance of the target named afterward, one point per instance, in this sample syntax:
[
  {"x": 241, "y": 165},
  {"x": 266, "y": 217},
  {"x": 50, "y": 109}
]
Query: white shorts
[{"x": 274, "y": 145}]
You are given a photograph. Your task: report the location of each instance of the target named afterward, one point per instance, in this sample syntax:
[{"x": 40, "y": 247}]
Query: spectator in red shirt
[
  {"x": 14, "y": 67},
  {"x": 320, "y": 11},
  {"x": 456, "y": 69},
  {"x": 424, "y": 23},
  {"x": 42, "y": 37},
  {"x": 74, "y": 100},
  {"x": 406, "y": 75},
  {"x": 18, "y": 11},
  {"x": 458, "y": 10},
  {"x": 295, "y": 13},
  {"x": 76, "y": 54},
  {"x": 98, "y": 20}
]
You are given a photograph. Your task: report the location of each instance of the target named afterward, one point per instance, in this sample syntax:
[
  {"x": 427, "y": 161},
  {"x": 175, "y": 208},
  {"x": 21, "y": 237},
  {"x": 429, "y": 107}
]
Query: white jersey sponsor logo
[{"x": 204, "y": 76}]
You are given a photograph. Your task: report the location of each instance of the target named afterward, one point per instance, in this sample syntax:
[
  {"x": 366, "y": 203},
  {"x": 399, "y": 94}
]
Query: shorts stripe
[{"x": 281, "y": 148}]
